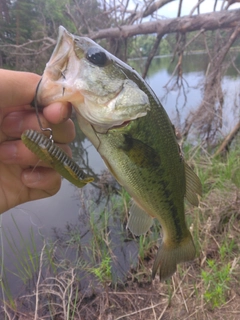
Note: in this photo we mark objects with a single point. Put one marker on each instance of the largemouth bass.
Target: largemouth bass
(125, 121)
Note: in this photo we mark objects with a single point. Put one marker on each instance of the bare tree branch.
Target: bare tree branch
(197, 6)
(150, 9)
(208, 116)
(215, 5)
(42, 40)
(230, 2)
(151, 55)
(180, 8)
(228, 140)
(155, 6)
(185, 47)
(85, 23)
(208, 21)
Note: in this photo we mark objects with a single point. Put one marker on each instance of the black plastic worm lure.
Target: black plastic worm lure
(48, 152)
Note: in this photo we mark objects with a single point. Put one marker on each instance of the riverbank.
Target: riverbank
(63, 287)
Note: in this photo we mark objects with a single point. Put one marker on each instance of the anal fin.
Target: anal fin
(139, 221)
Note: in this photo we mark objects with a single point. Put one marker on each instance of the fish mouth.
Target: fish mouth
(59, 74)
(124, 124)
(104, 96)
(105, 129)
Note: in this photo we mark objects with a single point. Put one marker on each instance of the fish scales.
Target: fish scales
(125, 121)
(142, 178)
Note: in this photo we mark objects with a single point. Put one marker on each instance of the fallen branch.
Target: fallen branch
(228, 140)
(207, 21)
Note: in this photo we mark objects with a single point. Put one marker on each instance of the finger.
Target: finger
(15, 152)
(15, 123)
(57, 112)
(64, 132)
(18, 88)
(42, 182)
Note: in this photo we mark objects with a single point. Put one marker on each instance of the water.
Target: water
(177, 103)
(48, 217)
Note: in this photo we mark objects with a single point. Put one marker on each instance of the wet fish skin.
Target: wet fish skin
(156, 181)
(122, 117)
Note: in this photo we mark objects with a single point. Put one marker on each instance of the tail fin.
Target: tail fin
(169, 255)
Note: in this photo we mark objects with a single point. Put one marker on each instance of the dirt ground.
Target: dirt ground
(206, 288)
(180, 299)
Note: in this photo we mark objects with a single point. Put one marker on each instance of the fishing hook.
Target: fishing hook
(37, 114)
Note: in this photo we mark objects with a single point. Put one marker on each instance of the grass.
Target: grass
(26, 261)
(216, 283)
(206, 288)
(103, 272)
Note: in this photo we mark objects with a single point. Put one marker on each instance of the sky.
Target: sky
(170, 10)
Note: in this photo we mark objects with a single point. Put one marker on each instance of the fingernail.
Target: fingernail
(8, 151)
(66, 111)
(13, 124)
(31, 177)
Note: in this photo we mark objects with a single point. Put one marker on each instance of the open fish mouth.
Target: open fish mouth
(86, 75)
(57, 83)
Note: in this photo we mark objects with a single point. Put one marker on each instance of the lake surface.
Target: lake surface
(48, 217)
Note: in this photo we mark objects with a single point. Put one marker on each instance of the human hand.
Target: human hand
(22, 176)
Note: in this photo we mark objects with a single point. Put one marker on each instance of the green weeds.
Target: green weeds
(26, 260)
(199, 289)
(103, 272)
(217, 275)
(216, 283)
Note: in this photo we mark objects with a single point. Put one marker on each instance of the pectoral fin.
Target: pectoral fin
(193, 186)
(139, 221)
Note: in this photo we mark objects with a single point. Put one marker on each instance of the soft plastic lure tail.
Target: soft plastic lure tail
(48, 152)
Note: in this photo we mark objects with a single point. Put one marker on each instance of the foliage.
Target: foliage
(103, 271)
(199, 289)
(24, 22)
(140, 46)
(216, 282)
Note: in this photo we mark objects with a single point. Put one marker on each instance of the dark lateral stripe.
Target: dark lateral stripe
(174, 212)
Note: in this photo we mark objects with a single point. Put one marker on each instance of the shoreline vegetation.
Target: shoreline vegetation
(186, 53)
(70, 279)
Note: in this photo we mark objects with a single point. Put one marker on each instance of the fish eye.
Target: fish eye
(96, 56)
